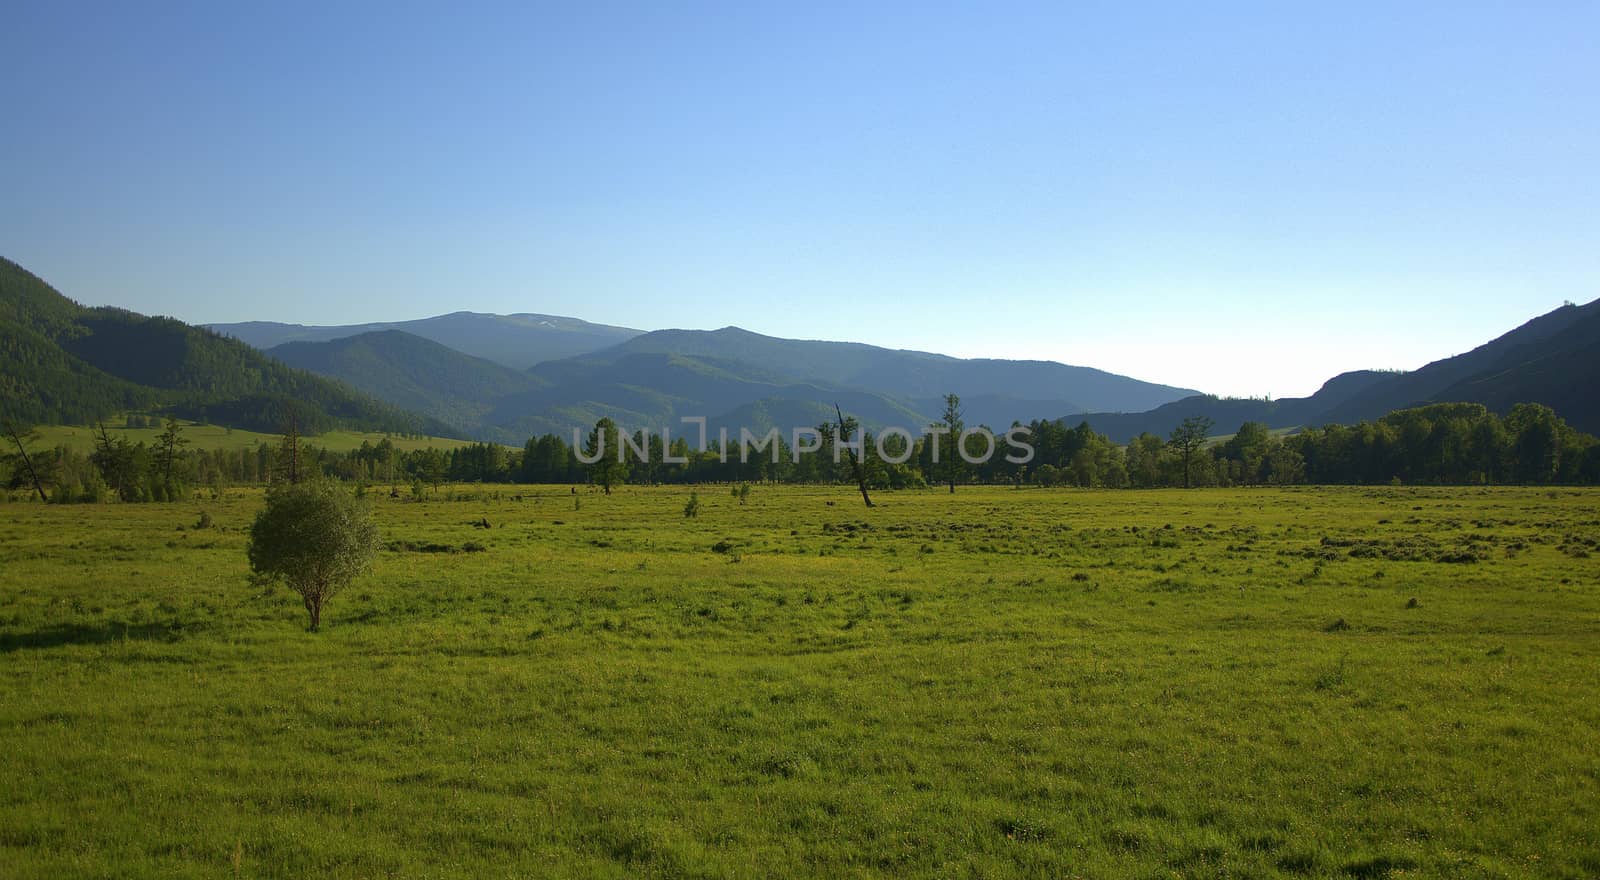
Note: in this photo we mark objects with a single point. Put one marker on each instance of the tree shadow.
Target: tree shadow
(84, 634)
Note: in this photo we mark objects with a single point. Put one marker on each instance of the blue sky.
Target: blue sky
(1246, 199)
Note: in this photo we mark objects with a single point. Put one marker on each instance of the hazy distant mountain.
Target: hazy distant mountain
(732, 377)
(516, 341)
(63, 362)
(1005, 390)
(1553, 359)
(416, 374)
(484, 399)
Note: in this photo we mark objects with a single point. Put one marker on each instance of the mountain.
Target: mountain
(64, 362)
(516, 341)
(1537, 362)
(651, 390)
(1553, 359)
(1227, 413)
(483, 399)
(731, 377)
(1562, 372)
(1006, 389)
(416, 374)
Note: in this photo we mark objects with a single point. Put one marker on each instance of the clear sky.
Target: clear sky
(1244, 199)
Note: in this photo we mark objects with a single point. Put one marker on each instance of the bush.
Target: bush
(691, 508)
(314, 536)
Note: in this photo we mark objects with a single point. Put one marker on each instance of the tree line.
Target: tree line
(1444, 444)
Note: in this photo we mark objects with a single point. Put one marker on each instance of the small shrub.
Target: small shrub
(1331, 678)
(691, 508)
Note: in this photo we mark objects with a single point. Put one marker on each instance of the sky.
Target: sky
(1241, 198)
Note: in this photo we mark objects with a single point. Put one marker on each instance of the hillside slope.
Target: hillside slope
(65, 363)
(1553, 359)
(1227, 413)
(416, 374)
(1538, 362)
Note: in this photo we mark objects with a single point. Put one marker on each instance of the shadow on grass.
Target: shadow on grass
(84, 634)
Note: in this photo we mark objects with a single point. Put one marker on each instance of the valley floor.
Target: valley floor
(1349, 682)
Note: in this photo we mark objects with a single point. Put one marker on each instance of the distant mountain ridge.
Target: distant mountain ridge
(517, 341)
(911, 374)
(725, 376)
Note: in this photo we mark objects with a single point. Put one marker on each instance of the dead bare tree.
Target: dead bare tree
(846, 427)
(20, 438)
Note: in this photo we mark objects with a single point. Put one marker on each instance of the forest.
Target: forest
(1438, 444)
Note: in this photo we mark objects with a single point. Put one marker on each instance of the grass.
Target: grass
(1218, 683)
(210, 437)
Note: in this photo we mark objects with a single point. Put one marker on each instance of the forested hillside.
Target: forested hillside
(417, 374)
(64, 363)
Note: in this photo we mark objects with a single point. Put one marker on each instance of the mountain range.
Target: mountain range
(507, 377)
(732, 377)
(515, 341)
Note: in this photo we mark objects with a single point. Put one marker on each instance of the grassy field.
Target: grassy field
(81, 438)
(1219, 683)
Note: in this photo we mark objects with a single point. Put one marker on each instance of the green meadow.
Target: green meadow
(1302, 682)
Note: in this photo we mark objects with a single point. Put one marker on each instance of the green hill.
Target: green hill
(416, 374)
(62, 362)
(1553, 359)
(656, 389)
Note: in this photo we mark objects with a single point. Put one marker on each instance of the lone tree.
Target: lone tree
(1189, 438)
(169, 447)
(953, 467)
(316, 537)
(603, 452)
